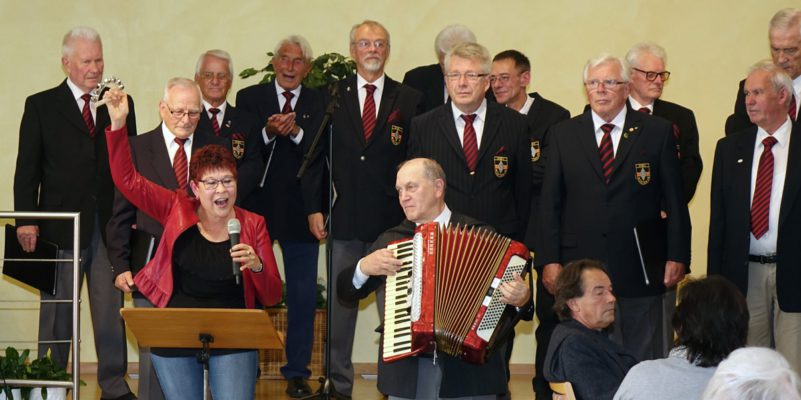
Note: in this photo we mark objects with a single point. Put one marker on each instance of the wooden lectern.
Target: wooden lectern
(204, 329)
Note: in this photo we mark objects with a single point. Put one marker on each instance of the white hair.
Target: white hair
(642, 48)
(300, 41)
(786, 19)
(778, 77)
(470, 51)
(372, 24)
(625, 69)
(449, 37)
(221, 54)
(753, 373)
(182, 82)
(78, 32)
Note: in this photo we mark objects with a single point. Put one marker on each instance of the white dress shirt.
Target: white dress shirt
(478, 123)
(379, 90)
(220, 115)
(618, 122)
(172, 145)
(279, 91)
(76, 94)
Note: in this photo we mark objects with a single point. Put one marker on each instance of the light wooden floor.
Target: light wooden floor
(363, 389)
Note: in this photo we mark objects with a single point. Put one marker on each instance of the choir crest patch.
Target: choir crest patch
(642, 172)
(501, 166)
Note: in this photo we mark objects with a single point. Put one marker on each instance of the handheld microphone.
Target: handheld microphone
(233, 232)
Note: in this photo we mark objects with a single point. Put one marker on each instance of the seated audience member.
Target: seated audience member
(710, 322)
(192, 265)
(580, 350)
(753, 373)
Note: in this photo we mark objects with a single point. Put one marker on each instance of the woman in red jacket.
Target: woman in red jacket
(192, 264)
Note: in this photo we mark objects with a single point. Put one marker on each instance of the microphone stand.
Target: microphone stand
(326, 390)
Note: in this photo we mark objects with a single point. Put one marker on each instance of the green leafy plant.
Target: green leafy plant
(13, 366)
(326, 70)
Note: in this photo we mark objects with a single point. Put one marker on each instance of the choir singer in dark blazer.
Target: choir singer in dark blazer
(755, 221)
(62, 166)
(609, 171)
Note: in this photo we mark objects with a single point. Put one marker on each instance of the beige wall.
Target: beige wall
(710, 44)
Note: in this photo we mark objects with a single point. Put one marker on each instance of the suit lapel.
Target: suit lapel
(632, 129)
(160, 158)
(227, 127)
(448, 127)
(792, 179)
(69, 107)
(350, 99)
(534, 111)
(586, 139)
(491, 127)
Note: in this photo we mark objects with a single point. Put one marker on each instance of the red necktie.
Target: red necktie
(368, 113)
(288, 104)
(469, 143)
(214, 124)
(606, 151)
(760, 205)
(645, 110)
(181, 165)
(792, 110)
(87, 115)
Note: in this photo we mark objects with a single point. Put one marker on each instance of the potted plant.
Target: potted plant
(13, 366)
(47, 370)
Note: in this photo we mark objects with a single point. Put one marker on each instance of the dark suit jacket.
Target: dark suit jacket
(502, 198)
(151, 159)
(59, 168)
(729, 224)
(459, 378)
(429, 80)
(280, 200)
(690, 162)
(582, 217)
(243, 134)
(592, 363)
(364, 172)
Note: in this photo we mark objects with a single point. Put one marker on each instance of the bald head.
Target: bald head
(421, 189)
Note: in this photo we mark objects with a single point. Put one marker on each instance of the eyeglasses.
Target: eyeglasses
(470, 76)
(221, 76)
(179, 114)
(502, 78)
(610, 84)
(365, 44)
(651, 75)
(211, 184)
(789, 52)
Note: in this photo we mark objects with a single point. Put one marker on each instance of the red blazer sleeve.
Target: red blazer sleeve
(265, 285)
(154, 200)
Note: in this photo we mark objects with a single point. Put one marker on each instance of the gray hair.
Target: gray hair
(78, 32)
(181, 82)
(297, 40)
(370, 23)
(778, 77)
(786, 19)
(470, 51)
(431, 169)
(221, 54)
(450, 36)
(642, 48)
(752, 373)
(625, 69)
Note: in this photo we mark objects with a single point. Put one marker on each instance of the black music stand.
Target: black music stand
(203, 328)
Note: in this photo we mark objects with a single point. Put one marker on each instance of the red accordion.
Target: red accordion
(445, 297)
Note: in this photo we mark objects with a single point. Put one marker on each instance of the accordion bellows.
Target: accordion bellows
(445, 298)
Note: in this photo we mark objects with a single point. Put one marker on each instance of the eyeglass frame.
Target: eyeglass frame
(179, 115)
(610, 84)
(651, 75)
(469, 76)
(366, 43)
(208, 75)
(212, 184)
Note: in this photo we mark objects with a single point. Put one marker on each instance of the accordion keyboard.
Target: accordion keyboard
(397, 304)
